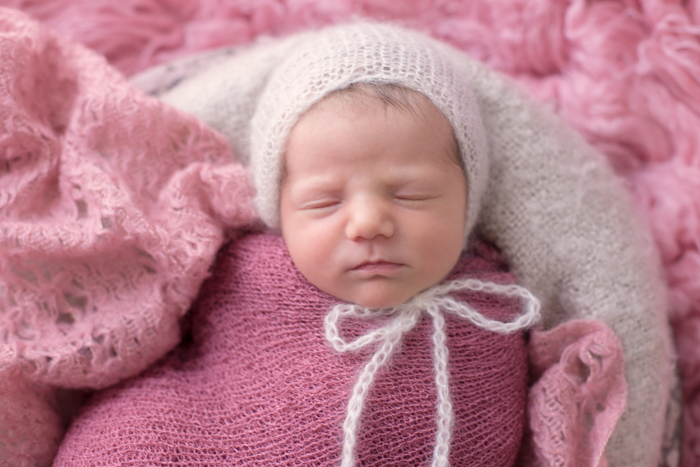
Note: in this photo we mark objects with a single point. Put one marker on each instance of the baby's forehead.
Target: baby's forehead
(354, 100)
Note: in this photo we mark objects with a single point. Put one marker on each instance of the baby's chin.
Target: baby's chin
(378, 295)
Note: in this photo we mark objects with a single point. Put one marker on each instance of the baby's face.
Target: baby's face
(373, 203)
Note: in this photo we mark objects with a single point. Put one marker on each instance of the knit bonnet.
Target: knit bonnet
(337, 57)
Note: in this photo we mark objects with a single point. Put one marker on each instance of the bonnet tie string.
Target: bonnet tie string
(404, 319)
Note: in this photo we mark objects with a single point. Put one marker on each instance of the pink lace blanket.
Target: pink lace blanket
(113, 207)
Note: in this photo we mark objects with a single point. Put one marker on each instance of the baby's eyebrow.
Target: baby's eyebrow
(315, 185)
(410, 175)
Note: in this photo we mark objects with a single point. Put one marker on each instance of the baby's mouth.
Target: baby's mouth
(378, 267)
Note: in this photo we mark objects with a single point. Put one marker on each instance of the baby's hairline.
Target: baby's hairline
(389, 95)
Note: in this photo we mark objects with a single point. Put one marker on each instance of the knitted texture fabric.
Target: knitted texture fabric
(403, 318)
(258, 384)
(112, 208)
(553, 206)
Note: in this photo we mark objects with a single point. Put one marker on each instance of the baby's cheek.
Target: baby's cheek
(313, 251)
(439, 244)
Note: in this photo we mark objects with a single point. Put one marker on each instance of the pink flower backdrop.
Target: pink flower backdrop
(624, 73)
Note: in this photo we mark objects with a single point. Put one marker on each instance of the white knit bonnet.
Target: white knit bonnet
(333, 59)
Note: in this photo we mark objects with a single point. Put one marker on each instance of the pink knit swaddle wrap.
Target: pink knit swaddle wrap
(259, 385)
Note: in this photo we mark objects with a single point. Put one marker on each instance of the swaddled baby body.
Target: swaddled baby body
(258, 384)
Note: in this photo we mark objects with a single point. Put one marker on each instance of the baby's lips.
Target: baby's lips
(378, 267)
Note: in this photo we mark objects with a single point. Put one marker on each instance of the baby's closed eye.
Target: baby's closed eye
(315, 198)
(415, 193)
(415, 196)
(320, 204)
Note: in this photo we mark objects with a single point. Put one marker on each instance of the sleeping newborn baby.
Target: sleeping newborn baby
(373, 204)
(374, 330)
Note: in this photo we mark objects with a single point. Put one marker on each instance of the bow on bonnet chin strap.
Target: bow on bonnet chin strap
(406, 316)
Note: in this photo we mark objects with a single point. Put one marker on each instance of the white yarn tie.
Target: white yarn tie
(405, 318)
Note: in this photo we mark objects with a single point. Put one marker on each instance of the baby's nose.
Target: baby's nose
(368, 219)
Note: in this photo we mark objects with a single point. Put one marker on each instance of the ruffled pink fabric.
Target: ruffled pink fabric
(113, 207)
(578, 396)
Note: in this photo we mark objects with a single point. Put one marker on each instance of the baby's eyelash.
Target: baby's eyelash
(321, 205)
(414, 197)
